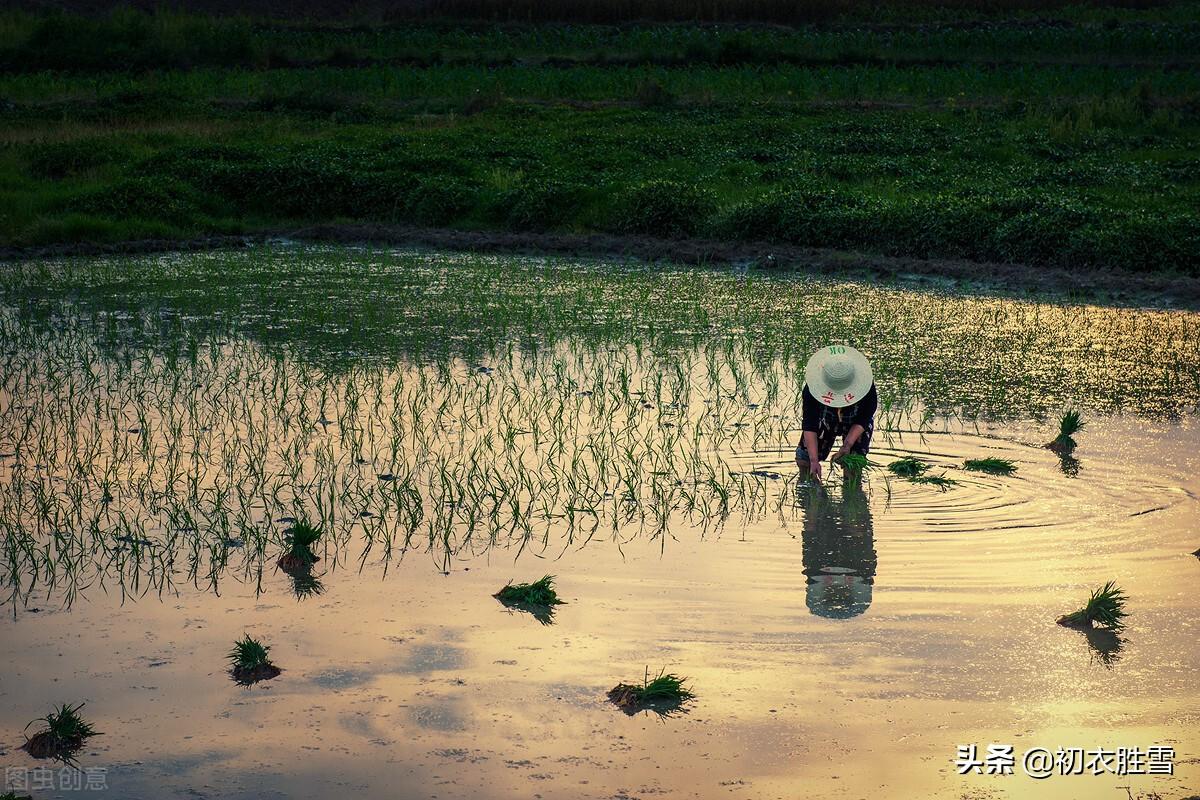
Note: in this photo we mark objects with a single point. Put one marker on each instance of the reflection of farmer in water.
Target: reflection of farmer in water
(839, 551)
(839, 400)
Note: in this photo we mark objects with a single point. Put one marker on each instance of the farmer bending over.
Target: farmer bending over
(839, 400)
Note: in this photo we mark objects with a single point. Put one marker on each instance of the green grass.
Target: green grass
(1105, 609)
(663, 693)
(992, 466)
(64, 732)
(1004, 142)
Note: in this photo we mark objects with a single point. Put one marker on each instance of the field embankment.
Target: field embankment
(1066, 141)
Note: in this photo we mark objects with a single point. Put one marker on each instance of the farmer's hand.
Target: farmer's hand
(814, 469)
(839, 455)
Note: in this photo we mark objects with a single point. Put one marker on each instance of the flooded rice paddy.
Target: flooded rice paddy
(451, 423)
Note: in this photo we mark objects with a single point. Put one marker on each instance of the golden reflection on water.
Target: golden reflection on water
(842, 640)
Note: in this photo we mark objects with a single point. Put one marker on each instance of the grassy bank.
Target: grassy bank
(1067, 141)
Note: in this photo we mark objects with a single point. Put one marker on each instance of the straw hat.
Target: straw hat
(838, 375)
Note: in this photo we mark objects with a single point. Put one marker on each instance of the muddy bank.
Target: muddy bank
(1110, 286)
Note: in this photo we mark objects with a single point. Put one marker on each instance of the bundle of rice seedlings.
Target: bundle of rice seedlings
(249, 662)
(1068, 426)
(65, 733)
(908, 467)
(299, 540)
(856, 462)
(993, 466)
(662, 695)
(537, 598)
(1104, 609)
(940, 481)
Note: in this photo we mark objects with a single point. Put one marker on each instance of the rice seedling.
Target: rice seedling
(992, 466)
(663, 695)
(1068, 426)
(908, 467)
(15, 796)
(249, 662)
(64, 733)
(537, 598)
(1105, 609)
(299, 539)
(940, 481)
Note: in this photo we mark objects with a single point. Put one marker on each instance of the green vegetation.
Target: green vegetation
(537, 598)
(663, 695)
(249, 662)
(908, 467)
(539, 593)
(1104, 609)
(298, 540)
(992, 466)
(1068, 426)
(64, 733)
(15, 796)
(940, 481)
(856, 463)
(1065, 143)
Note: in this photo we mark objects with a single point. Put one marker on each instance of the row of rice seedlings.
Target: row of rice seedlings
(274, 435)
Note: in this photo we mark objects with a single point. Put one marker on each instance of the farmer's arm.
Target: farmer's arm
(864, 412)
(808, 436)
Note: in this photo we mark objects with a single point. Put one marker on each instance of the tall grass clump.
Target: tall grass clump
(64, 733)
(249, 662)
(663, 695)
(1104, 609)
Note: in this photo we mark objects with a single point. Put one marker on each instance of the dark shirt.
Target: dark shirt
(860, 413)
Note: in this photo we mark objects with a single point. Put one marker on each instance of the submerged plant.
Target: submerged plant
(993, 466)
(1068, 426)
(299, 540)
(249, 662)
(65, 732)
(662, 695)
(1104, 609)
(537, 598)
(908, 467)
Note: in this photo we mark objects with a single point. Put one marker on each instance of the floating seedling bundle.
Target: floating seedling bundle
(1105, 609)
(249, 662)
(663, 695)
(64, 734)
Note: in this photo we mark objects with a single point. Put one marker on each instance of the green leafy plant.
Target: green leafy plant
(64, 733)
(993, 466)
(299, 540)
(663, 695)
(1104, 609)
(249, 661)
(1068, 426)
